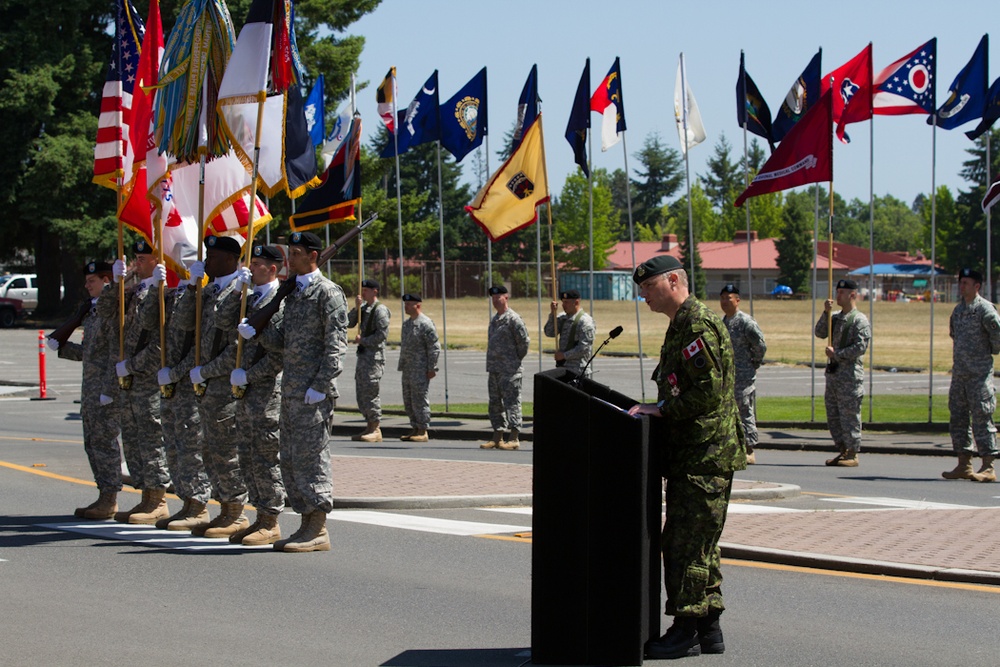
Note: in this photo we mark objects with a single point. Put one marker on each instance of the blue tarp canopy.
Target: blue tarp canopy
(897, 270)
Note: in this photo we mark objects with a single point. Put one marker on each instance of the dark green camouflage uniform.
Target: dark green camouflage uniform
(701, 447)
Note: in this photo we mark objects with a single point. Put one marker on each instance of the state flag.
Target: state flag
(464, 120)
(803, 94)
(752, 111)
(607, 100)
(852, 96)
(579, 121)
(968, 92)
(907, 85)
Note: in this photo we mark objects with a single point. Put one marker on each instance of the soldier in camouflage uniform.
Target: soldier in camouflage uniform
(749, 349)
(418, 357)
(506, 346)
(845, 372)
(371, 316)
(220, 313)
(702, 446)
(313, 338)
(259, 411)
(98, 352)
(142, 437)
(975, 331)
(576, 332)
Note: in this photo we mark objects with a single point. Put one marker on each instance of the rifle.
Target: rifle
(67, 328)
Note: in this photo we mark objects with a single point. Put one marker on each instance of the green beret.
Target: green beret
(654, 267)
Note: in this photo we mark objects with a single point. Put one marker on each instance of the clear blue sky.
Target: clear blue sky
(779, 38)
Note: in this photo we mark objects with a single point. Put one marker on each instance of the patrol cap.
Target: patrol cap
(498, 289)
(307, 240)
(96, 267)
(730, 288)
(140, 247)
(971, 273)
(846, 284)
(412, 297)
(569, 294)
(224, 244)
(655, 266)
(369, 283)
(268, 252)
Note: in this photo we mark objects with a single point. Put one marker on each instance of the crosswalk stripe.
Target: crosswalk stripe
(109, 530)
(425, 524)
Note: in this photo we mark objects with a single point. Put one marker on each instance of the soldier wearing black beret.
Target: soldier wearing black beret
(575, 330)
(371, 316)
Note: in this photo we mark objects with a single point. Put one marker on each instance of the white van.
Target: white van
(22, 286)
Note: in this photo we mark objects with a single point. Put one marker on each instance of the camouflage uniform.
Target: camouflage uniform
(749, 349)
(371, 357)
(506, 346)
(975, 330)
(576, 338)
(220, 313)
(701, 446)
(99, 352)
(845, 387)
(418, 355)
(139, 407)
(179, 415)
(313, 338)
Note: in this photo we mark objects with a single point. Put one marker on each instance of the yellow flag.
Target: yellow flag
(507, 202)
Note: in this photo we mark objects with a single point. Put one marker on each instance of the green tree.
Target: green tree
(677, 223)
(659, 177)
(571, 233)
(795, 249)
(725, 178)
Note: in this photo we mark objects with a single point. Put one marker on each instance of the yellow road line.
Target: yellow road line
(825, 495)
(44, 473)
(506, 538)
(10, 437)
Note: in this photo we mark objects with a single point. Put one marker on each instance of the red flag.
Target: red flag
(992, 196)
(852, 84)
(805, 155)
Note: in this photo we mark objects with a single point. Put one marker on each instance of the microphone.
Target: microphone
(614, 333)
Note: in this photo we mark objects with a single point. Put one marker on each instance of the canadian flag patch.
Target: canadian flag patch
(694, 348)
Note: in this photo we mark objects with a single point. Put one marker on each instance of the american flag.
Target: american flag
(116, 99)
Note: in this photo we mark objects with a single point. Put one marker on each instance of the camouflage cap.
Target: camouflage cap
(654, 267)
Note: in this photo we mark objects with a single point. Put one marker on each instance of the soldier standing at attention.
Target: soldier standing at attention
(506, 346)
(312, 336)
(701, 448)
(259, 411)
(372, 334)
(845, 372)
(576, 332)
(749, 349)
(98, 352)
(418, 357)
(142, 436)
(974, 328)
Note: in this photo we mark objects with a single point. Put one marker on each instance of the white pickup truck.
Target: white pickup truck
(22, 286)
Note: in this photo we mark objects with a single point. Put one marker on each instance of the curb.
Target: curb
(433, 502)
(772, 491)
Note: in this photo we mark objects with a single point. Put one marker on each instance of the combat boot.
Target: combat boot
(199, 530)
(237, 537)
(314, 536)
(495, 442)
(142, 506)
(179, 514)
(710, 633)
(104, 508)
(155, 510)
(849, 459)
(372, 434)
(419, 435)
(267, 532)
(986, 472)
(80, 511)
(413, 432)
(279, 545)
(196, 517)
(963, 470)
(751, 457)
(836, 459)
(233, 520)
(512, 442)
(680, 641)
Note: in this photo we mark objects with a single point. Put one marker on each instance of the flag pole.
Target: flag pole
(489, 241)
(989, 229)
(124, 383)
(399, 195)
(687, 171)
(166, 390)
(871, 266)
(815, 284)
(746, 175)
(829, 267)
(930, 375)
(444, 286)
(631, 241)
(199, 389)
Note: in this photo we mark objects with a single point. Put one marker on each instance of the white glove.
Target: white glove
(196, 377)
(183, 282)
(163, 376)
(197, 272)
(244, 276)
(53, 344)
(159, 273)
(313, 396)
(118, 269)
(238, 378)
(106, 400)
(245, 329)
(121, 370)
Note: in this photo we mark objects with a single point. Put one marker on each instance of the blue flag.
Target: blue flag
(803, 94)
(990, 113)
(464, 118)
(527, 106)
(315, 112)
(579, 121)
(420, 122)
(967, 94)
(751, 109)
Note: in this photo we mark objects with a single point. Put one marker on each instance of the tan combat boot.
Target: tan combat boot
(419, 435)
(279, 545)
(849, 459)
(512, 442)
(233, 520)
(199, 530)
(751, 457)
(314, 536)
(495, 442)
(413, 432)
(80, 511)
(104, 508)
(372, 434)
(196, 516)
(267, 532)
(963, 470)
(986, 472)
(179, 514)
(836, 459)
(237, 537)
(155, 510)
(142, 506)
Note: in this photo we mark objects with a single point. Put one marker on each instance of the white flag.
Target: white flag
(690, 129)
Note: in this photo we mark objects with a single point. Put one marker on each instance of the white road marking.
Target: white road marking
(110, 530)
(744, 508)
(424, 524)
(507, 510)
(900, 503)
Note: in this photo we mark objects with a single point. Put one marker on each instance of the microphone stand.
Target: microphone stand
(613, 334)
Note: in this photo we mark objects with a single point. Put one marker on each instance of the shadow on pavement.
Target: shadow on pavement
(21, 531)
(485, 657)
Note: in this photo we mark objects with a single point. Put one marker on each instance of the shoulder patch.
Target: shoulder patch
(693, 349)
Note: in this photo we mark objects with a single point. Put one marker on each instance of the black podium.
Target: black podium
(595, 559)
